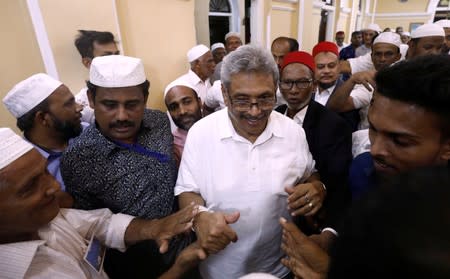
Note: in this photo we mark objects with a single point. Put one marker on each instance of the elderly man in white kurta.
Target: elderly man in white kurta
(247, 164)
(38, 240)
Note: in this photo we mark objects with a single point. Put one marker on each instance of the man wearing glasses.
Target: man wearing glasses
(328, 135)
(247, 165)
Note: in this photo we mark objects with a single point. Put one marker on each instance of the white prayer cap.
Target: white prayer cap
(445, 23)
(406, 33)
(116, 71)
(11, 147)
(178, 82)
(374, 27)
(29, 93)
(258, 276)
(197, 51)
(216, 46)
(232, 34)
(388, 38)
(428, 30)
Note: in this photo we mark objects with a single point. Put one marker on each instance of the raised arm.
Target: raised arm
(341, 101)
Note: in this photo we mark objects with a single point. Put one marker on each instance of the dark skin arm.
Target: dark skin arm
(160, 230)
(301, 196)
(305, 258)
(188, 259)
(341, 101)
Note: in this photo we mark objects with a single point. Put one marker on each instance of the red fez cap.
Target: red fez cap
(325, 47)
(299, 57)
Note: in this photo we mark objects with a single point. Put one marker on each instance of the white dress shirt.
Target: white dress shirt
(87, 114)
(59, 252)
(214, 97)
(361, 99)
(361, 63)
(299, 117)
(322, 97)
(201, 86)
(233, 174)
(360, 142)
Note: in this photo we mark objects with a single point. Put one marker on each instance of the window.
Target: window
(219, 20)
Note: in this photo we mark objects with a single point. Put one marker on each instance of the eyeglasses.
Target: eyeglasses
(263, 103)
(301, 84)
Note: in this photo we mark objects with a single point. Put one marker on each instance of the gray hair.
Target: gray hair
(248, 59)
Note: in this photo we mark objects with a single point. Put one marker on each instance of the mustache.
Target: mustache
(122, 124)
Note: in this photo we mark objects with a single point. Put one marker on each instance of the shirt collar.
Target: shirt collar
(299, 117)
(329, 90)
(194, 77)
(17, 257)
(228, 131)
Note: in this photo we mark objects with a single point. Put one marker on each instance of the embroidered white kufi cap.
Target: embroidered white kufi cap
(445, 23)
(216, 46)
(12, 147)
(178, 82)
(388, 38)
(197, 51)
(29, 93)
(114, 71)
(428, 30)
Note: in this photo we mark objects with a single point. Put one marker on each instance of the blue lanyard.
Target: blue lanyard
(142, 150)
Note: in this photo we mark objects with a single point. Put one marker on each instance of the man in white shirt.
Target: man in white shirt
(368, 34)
(425, 39)
(232, 42)
(91, 44)
(356, 92)
(250, 165)
(38, 240)
(202, 66)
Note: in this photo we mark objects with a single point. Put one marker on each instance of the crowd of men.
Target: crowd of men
(266, 162)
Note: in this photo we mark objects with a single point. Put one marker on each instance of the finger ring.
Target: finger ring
(310, 205)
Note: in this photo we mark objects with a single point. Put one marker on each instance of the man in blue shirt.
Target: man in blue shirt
(349, 51)
(409, 122)
(49, 117)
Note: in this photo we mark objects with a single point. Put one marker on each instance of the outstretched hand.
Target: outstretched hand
(186, 260)
(173, 225)
(305, 258)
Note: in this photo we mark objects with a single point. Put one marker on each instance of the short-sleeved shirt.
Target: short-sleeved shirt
(362, 63)
(201, 86)
(214, 97)
(362, 50)
(361, 100)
